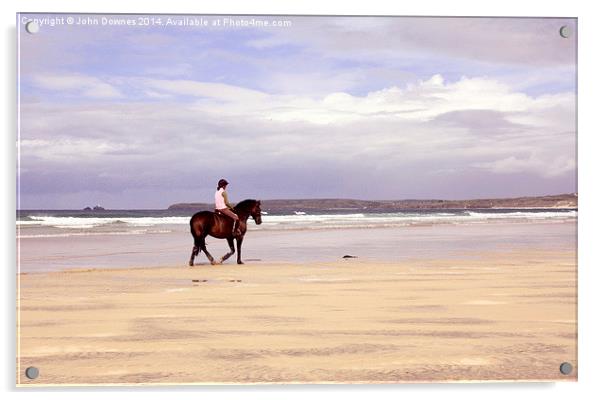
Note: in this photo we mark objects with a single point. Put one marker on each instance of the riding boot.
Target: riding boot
(235, 230)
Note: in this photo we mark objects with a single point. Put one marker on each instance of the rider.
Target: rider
(222, 205)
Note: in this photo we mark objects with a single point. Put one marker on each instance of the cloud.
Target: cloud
(429, 131)
(77, 84)
(526, 41)
(526, 53)
(546, 166)
(71, 147)
(180, 69)
(321, 54)
(215, 91)
(479, 103)
(480, 122)
(434, 107)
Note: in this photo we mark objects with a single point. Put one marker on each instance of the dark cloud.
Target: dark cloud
(480, 122)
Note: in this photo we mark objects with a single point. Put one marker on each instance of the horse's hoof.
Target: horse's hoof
(240, 262)
(190, 263)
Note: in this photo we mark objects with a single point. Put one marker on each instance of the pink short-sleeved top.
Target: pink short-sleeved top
(220, 203)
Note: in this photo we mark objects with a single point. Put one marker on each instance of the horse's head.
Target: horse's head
(249, 208)
(256, 212)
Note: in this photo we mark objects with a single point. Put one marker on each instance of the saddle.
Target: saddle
(221, 214)
(234, 226)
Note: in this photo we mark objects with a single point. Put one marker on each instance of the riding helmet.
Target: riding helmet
(222, 183)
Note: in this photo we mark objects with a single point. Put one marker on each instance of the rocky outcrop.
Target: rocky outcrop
(96, 208)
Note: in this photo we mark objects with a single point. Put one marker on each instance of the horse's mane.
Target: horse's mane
(245, 204)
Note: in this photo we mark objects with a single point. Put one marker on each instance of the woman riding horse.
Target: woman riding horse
(223, 205)
(219, 226)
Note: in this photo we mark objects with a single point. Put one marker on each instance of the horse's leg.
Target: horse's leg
(195, 252)
(227, 255)
(238, 245)
(203, 247)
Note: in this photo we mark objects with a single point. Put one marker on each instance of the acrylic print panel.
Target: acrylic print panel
(405, 188)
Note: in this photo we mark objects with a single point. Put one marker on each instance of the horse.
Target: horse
(219, 226)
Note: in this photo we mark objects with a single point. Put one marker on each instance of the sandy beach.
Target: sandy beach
(498, 314)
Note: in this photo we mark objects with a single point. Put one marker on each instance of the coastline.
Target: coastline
(565, 200)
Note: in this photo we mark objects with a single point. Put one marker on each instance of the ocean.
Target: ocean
(65, 223)
(50, 240)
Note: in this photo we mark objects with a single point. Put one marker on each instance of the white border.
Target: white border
(589, 190)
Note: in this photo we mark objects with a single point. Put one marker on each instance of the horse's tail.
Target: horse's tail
(196, 229)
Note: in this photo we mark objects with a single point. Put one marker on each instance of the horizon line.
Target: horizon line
(314, 199)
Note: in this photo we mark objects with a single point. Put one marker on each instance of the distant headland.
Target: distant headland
(289, 205)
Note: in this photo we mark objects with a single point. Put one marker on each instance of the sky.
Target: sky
(147, 115)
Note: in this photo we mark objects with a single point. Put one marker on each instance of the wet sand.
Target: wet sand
(43, 254)
(491, 315)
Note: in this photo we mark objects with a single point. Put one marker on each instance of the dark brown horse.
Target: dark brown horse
(220, 226)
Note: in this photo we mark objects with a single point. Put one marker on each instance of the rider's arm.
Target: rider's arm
(225, 195)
